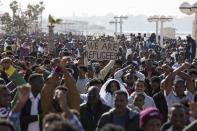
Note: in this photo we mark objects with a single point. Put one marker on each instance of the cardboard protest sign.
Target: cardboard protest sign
(102, 50)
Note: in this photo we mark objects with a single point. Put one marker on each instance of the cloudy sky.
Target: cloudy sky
(62, 8)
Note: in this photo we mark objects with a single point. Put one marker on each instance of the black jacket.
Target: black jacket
(132, 120)
(161, 104)
(26, 118)
(90, 117)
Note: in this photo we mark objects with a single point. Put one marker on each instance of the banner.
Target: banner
(102, 50)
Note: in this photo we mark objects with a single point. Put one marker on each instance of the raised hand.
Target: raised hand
(186, 65)
(62, 99)
(23, 93)
(193, 109)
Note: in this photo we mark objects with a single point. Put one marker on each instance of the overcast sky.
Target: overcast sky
(61, 8)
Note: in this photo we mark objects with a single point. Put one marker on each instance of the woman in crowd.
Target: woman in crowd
(108, 89)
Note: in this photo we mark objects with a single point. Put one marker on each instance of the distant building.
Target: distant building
(169, 32)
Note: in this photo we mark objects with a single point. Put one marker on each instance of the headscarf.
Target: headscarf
(106, 96)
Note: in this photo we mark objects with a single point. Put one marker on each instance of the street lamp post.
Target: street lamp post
(120, 22)
(156, 20)
(115, 22)
(162, 19)
(187, 9)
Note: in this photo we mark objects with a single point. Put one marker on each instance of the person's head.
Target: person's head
(49, 119)
(130, 57)
(148, 64)
(129, 78)
(6, 62)
(37, 82)
(139, 100)
(140, 86)
(177, 116)
(6, 125)
(155, 82)
(150, 119)
(94, 82)
(90, 71)
(120, 101)
(55, 62)
(96, 67)
(179, 87)
(57, 97)
(5, 97)
(61, 126)
(47, 64)
(111, 127)
(82, 71)
(93, 95)
(166, 68)
(180, 58)
(67, 60)
(112, 86)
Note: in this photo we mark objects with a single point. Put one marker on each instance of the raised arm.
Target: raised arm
(47, 94)
(103, 73)
(73, 94)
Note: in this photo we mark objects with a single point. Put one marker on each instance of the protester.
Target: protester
(6, 125)
(176, 119)
(150, 75)
(120, 115)
(150, 119)
(140, 89)
(91, 111)
(108, 89)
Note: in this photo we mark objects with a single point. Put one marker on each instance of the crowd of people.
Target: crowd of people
(149, 87)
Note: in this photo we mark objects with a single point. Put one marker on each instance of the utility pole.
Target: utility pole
(115, 22)
(120, 22)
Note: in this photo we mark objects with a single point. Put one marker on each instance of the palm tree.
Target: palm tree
(52, 21)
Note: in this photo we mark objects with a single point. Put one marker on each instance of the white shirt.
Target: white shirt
(34, 126)
(81, 84)
(172, 98)
(148, 101)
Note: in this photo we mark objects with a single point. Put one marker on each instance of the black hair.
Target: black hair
(112, 127)
(39, 61)
(61, 126)
(32, 77)
(62, 88)
(118, 62)
(155, 79)
(120, 92)
(47, 61)
(94, 82)
(83, 68)
(108, 88)
(178, 79)
(140, 94)
(141, 81)
(52, 117)
(4, 122)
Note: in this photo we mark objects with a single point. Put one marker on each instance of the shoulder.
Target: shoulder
(83, 106)
(107, 114)
(133, 114)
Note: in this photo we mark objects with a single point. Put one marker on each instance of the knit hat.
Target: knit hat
(148, 114)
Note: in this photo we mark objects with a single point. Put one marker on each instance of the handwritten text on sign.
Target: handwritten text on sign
(102, 50)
